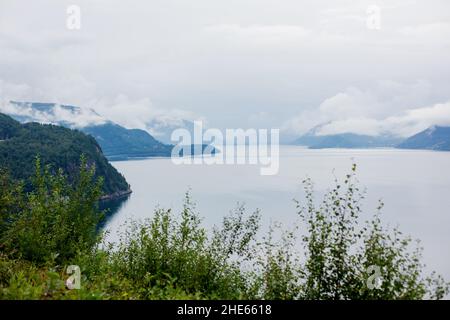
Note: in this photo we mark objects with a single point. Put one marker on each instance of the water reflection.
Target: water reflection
(110, 208)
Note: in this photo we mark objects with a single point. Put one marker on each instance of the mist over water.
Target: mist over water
(414, 186)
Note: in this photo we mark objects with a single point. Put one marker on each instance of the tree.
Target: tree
(56, 219)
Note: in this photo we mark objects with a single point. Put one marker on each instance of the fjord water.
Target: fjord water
(414, 186)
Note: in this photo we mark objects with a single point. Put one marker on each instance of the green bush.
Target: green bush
(173, 257)
(55, 220)
(342, 253)
(175, 252)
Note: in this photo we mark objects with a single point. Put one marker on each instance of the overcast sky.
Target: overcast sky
(286, 64)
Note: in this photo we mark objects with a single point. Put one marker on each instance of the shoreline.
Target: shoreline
(116, 195)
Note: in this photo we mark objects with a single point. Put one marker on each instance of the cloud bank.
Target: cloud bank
(249, 63)
(387, 108)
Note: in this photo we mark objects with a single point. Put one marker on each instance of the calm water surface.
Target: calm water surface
(414, 185)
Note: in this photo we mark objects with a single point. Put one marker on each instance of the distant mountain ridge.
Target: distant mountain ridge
(120, 143)
(117, 142)
(345, 140)
(433, 138)
(42, 112)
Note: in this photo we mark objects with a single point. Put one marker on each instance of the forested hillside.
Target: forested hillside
(56, 146)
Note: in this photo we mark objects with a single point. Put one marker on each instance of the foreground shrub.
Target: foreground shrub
(327, 253)
(55, 220)
(169, 251)
(347, 259)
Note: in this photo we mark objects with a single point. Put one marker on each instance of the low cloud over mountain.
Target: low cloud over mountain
(390, 108)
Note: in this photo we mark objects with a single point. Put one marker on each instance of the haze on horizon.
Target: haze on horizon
(236, 63)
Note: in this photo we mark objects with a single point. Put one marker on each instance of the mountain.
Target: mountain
(8, 127)
(433, 138)
(346, 140)
(58, 146)
(120, 143)
(116, 141)
(64, 115)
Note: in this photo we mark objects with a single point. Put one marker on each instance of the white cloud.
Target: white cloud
(10, 90)
(415, 120)
(228, 60)
(140, 114)
(404, 124)
(387, 108)
(367, 126)
(353, 102)
(436, 32)
(80, 117)
(262, 35)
